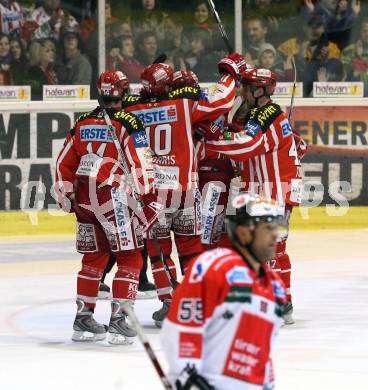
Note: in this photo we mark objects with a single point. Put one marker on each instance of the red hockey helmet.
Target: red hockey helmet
(155, 78)
(260, 78)
(112, 84)
(184, 78)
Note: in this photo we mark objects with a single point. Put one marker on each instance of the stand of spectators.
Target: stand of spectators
(42, 67)
(355, 57)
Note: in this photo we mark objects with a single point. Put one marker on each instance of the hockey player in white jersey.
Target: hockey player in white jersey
(221, 326)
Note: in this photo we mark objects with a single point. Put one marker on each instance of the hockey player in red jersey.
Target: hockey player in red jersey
(271, 164)
(215, 172)
(90, 179)
(169, 117)
(221, 326)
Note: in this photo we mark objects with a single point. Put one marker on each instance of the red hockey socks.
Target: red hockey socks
(283, 266)
(93, 265)
(126, 279)
(162, 282)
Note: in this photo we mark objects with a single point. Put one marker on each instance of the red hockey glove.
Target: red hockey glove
(233, 64)
(148, 215)
(66, 202)
(210, 131)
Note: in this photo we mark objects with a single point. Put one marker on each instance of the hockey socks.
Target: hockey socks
(160, 277)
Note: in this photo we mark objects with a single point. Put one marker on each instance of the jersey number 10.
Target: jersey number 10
(162, 137)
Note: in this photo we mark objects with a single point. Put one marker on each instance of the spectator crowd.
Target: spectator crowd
(56, 41)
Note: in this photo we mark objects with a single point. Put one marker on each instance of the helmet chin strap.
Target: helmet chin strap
(259, 97)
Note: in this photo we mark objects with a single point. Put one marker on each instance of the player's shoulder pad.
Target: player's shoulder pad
(264, 116)
(83, 116)
(129, 120)
(131, 100)
(202, 264)
(193, 93)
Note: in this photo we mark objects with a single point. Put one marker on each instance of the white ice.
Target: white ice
(327, 348)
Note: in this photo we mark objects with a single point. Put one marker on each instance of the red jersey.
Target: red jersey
(89, 151)
(169, 125)
(223, 319)
(268, 152)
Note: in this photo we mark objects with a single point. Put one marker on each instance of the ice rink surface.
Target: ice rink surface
(326, 349)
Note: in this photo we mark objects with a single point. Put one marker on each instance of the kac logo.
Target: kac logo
(140, 139)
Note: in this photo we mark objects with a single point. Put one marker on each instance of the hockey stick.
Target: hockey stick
(221, 27)
(293, 92)
(147, 346)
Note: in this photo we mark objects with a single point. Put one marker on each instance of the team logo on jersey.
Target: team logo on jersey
(253, 128)
(140, 139)
(238, 275)
(155, 116)
(95, 133)
(286, 128)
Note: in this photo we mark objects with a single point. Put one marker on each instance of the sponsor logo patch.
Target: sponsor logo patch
(286, 128)
(95, 133)
(190, 345)
(253, 128)
(140, 139)
(155, 116)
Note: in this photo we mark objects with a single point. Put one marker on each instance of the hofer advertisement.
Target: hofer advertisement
(335, 170)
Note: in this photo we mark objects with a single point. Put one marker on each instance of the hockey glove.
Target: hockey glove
(210, 131)
(150, 212)
(301, 145)
(194, 381)
(232, 64)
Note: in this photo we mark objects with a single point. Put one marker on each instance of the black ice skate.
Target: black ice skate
(121, 333)
(104, 291)
(159, 315)
(86, 328)
(146, 290)
(288, 314)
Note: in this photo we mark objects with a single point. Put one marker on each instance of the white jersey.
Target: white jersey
(224, 319)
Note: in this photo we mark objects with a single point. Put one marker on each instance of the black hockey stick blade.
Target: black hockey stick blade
(160, 59)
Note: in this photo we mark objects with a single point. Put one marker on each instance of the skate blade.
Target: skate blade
(288, 319)
(102, 295)
(119, 339)
(146, 294)
(83, 336)
(158, 324)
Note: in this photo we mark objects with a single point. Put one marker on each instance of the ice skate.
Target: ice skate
(159, 315)
(104, 291)
(288, 314)
(86, 328)
(146, 290)
(121, 333)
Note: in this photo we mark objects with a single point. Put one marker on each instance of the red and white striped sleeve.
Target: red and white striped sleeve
(66, 165)
(241, 147)
(218, 102)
